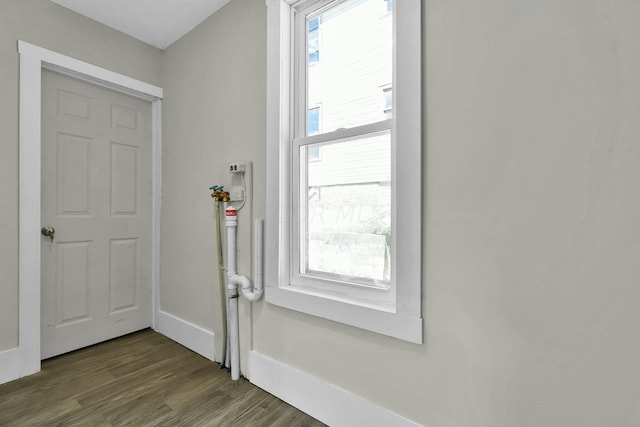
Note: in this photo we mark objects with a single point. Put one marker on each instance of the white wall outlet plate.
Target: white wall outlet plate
(237, 167)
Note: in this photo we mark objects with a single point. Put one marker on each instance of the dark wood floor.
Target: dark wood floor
(142, 379)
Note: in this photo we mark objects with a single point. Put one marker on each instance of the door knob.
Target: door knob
(48, 231)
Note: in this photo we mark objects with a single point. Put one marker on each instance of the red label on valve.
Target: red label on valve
(231, 212)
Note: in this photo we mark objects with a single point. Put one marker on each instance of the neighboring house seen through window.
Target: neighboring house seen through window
(387, 94)
(313, 128)
(314, 41)
(388, 5)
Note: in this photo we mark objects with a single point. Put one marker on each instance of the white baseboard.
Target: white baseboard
(194, 337)
(10, 365)
(326, 402)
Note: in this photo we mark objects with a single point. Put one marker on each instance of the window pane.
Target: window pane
(347, 221)
(313, 153)
(388, 103)
(356, 62)
(313, 121)
(388, 5)
(314, 41)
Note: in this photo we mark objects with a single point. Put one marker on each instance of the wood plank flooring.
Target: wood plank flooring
(141, 379)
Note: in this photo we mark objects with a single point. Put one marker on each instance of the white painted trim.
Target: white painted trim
(156, 190)
(9, 365)
(90, 72)
(397, 325)
(32, 60)
(407, 167)
(326, 402)
(29, 219)
(194, 337)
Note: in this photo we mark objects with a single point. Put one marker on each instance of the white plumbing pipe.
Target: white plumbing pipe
(256, 293)
(234, 336)
(231, 221)
(234, 280)
(227, 337)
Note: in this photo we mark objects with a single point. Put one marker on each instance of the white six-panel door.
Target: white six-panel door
(96, 194)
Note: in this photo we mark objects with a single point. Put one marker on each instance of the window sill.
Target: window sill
(379, 319)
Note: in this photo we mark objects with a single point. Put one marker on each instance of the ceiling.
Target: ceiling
(156, 22)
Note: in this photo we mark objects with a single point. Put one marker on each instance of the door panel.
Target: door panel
(123, 278)
(96, 193)
(73, 175)
(72, 265)
(124, 171)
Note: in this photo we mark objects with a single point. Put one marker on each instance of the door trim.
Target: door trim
(32, 60)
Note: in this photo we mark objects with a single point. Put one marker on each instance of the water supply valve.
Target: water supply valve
(218, 193)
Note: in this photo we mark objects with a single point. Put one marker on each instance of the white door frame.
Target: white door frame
(32, 60)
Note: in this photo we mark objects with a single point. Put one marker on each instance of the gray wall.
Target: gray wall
(531, 201)
(213, 114)
(46, 24)
(531, 231)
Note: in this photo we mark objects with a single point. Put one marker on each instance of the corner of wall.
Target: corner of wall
(9, 365)
(194, 337)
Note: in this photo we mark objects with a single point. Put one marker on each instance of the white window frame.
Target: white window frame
(401, 319)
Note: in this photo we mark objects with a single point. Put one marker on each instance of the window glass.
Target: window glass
(313, 127)
(356, 61)
(345, 197)
(314, 41)
(388, 103)
(348, 211)
(313, 121)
